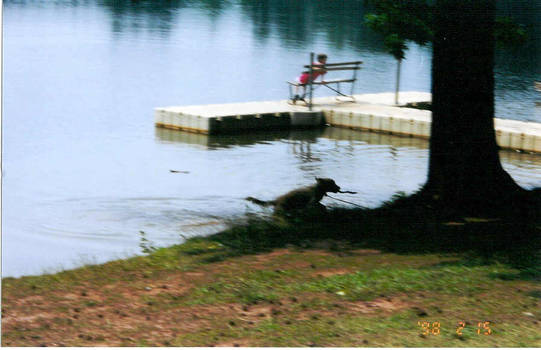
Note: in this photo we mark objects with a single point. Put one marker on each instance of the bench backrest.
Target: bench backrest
(337, 66)
(353, 66)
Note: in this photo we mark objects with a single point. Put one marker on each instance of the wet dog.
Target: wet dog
(301, 199)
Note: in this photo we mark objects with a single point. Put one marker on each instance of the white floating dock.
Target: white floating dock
(372, 112)
(232, 117)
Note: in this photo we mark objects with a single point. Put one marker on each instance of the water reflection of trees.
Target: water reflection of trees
(299, 23)
(296, 23)
(157, 17)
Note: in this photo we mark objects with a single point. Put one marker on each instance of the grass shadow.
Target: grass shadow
(524, 274)
(535, 294)
(404, 225)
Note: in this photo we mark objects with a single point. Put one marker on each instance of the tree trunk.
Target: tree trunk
(464, 166)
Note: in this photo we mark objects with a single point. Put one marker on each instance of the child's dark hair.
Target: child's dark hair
(321, 56)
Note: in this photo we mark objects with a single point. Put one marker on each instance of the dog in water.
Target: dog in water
(301, 199)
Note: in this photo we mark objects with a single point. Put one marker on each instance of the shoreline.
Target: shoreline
(271, 283)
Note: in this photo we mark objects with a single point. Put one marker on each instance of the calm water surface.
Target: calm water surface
(84, 169)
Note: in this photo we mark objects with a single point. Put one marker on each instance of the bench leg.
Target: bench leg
(298, 97)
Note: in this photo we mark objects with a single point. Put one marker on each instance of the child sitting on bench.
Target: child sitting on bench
(304, 78)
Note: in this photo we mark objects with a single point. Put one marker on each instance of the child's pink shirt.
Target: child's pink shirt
(303, 79)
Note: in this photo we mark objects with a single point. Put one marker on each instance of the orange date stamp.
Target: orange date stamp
(434, 328)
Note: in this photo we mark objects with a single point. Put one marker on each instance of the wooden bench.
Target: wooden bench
(333, 84)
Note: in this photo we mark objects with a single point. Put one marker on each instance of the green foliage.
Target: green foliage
(412, 20)
(508, 33)
(400, 21)
(396, 46)
(146, 246)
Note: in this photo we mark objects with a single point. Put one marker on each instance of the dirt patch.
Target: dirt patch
(149, 310)
(117, 314)
(272, 260)
(274, 253)
(331, 272)
(28, 320)
(257, 313)
(250, 314)
(36, 299)
(268, 260)
(281, 252)
(383, 304)
(113, 325)
(192, 274)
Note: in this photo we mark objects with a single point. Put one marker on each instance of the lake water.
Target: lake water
(85, 170)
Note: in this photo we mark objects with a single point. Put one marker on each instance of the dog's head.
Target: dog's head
(327, 185)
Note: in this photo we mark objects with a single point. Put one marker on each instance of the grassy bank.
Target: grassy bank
(389, 280)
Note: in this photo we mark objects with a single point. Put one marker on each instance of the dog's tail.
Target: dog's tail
(259, 202)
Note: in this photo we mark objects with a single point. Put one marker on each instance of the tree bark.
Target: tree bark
(464, 166)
